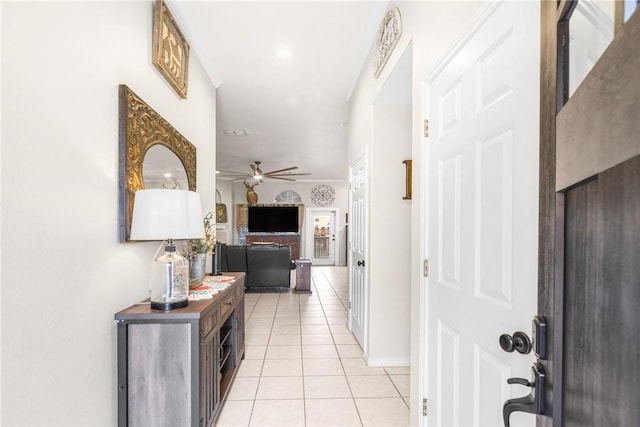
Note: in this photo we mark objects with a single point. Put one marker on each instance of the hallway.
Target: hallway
(303, 367)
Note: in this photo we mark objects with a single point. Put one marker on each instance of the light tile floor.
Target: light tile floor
(303, 367)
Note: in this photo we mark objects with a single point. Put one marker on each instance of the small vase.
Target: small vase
(197, 264)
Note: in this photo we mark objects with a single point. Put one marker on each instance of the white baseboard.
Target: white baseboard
(387, 362)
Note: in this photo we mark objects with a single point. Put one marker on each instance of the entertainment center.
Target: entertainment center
(272, 223)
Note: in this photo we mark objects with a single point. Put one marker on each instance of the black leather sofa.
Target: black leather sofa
(267, 266)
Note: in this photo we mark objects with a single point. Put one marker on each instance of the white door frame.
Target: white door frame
(309, 243)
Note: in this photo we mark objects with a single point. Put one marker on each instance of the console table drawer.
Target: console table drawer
(209, 321)
(226, 306)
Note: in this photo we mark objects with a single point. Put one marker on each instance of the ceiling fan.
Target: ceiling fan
(257, 175)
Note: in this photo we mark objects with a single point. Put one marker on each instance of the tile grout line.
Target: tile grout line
(287, 301)
(255, 396)
(304, 399)
(353, 399)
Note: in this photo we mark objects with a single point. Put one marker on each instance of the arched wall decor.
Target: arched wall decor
(288, 196)
(141, 128)
(388, 36)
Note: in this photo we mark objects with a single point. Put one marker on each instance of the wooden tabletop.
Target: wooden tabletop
(194, 310)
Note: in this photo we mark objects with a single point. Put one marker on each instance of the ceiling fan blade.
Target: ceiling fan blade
(281, 170)
(232, 172)
(279, 177)
(231, 178)
(287, 174)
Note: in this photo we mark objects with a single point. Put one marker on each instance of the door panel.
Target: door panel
(358, 315)
(482, 205)
(601, 300)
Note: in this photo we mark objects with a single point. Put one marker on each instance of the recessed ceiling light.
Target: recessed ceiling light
(284, 54)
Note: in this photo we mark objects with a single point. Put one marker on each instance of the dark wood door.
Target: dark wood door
(601, 349)
(589, 283)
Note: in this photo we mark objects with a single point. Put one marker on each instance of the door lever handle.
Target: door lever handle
(533, 403)
(521, 381)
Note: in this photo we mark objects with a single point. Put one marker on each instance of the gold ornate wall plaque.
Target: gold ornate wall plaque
(388, 36)
(140, 129)
(170, 49)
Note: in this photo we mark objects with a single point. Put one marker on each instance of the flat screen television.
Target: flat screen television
(272, 219)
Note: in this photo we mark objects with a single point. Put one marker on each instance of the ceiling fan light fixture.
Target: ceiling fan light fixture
(257, 172)
(257, 176)
(251, 181)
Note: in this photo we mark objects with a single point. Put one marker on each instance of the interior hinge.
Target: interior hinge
(425, 407)
(426, 128)
(425, 268)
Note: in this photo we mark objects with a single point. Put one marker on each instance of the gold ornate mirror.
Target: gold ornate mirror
(152, 155)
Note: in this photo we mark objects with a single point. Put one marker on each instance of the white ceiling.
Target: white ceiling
(293, 110)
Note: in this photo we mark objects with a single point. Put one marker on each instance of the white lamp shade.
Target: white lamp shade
(167, 214)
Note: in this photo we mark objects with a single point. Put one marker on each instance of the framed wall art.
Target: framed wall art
(170, 49)
(323, 195)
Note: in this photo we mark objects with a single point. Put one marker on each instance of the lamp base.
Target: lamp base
(166, 304)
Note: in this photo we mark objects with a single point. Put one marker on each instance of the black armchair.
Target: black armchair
(267, 266)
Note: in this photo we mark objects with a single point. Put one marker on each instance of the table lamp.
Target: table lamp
(166, 215)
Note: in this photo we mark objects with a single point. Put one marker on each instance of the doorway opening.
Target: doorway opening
(321, 235)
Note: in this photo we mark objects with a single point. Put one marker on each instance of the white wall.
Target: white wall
(1, 314)
(389, 238)
(64, 274)
(267, 192)
(431, 28)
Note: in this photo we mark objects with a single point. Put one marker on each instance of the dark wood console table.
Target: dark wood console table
(175, 368)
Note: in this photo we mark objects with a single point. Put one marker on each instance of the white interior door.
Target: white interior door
(358, 297)
(482, 216)
(321, 236)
